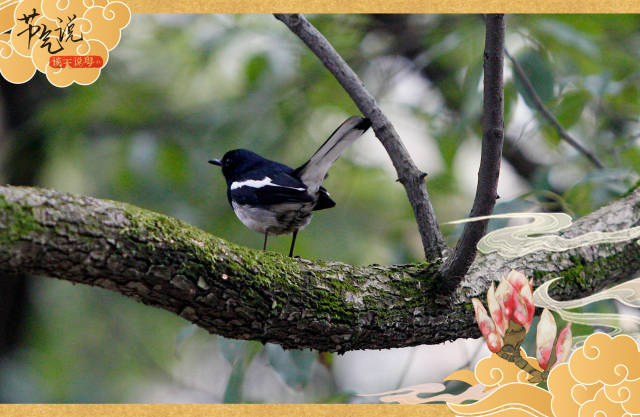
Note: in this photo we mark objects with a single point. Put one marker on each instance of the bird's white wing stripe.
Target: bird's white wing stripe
(251, 183)
(259, 184)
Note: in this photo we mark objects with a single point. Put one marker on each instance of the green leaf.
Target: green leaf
(231, 349)
(579, 198)
(172, 163)
(184, 334)
(256, 67)
(570, 108)
(631, 157)
(294, 366)
(339, 398)
(240, 354)
(539, 71)
(569, 37)
(472, 96)
(510, 100)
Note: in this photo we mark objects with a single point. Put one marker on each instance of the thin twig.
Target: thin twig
(549, 116)
(408, 174)
(457, 265)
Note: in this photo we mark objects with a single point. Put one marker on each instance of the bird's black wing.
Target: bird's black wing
(261, 189)
(324, 200)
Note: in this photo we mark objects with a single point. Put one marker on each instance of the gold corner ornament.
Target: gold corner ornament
(601, 378)
(68, 41)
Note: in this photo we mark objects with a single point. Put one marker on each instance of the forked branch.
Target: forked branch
(457, 265)
(408, 174)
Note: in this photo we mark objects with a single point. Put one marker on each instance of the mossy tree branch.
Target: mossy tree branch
(247, 294)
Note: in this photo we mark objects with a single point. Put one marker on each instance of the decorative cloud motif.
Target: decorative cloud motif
(7, 8)
(107, 22)
(607, 360)
(493, 371)
(64, 39)
(516, 241)
(601, 378)
(13, 66)
(510, 400)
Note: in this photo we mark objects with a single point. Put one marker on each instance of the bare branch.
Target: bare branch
(549, 116)
(408, 174)
(460, 260)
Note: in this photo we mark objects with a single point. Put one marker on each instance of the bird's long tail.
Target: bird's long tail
(313, 172)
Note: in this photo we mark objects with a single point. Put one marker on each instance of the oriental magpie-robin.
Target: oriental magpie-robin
(271, 198)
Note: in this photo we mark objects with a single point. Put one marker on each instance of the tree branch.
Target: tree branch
(297, 303)
(408, 174)
(549, 116)
(460, 260)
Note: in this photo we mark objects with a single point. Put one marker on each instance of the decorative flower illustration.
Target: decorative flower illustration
(511, 308)
(511, 312)
(601, 378)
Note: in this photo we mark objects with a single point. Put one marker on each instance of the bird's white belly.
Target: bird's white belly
(290, 217)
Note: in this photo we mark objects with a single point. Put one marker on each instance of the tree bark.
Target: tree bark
(457, 265)
(247, 294)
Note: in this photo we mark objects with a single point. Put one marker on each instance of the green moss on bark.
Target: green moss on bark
(249, 294)
(16, 221)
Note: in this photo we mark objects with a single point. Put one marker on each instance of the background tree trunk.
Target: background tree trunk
(22, 153)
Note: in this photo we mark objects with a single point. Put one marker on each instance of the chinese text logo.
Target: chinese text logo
(68, 40)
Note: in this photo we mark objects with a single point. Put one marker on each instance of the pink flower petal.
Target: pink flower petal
(487, 327)
(497, 315)
(504, 296)
(563, 345)
(545, 336)
(517, 279)
(527, 298)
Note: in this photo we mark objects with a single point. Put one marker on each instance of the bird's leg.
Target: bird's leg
(293, 243)
(264, 246)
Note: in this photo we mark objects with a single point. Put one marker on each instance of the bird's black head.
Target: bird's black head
(237, 161)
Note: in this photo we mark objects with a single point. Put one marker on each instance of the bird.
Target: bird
(274, 199)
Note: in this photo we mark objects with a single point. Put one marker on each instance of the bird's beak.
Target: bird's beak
(215, 162)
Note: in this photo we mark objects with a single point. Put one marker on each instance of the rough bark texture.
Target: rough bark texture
(297, 303)
(457, 265)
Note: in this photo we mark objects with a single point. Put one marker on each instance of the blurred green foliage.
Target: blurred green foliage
(181, 89)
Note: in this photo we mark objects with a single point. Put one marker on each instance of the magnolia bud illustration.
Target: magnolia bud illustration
(563, 345)
(517, 279)
(516, 299)
(487, 327)
(497, 315)
(523, 314)
(545, 337)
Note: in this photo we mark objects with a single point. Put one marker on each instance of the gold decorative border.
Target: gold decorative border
(310, 6)
(388, 6)
(226, 410)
